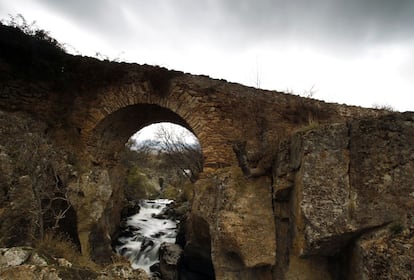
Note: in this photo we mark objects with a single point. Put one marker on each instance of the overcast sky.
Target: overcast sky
(357, 52)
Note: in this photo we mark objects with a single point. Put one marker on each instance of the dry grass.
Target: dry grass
(60, 246)
(310, 126)
(118, 259)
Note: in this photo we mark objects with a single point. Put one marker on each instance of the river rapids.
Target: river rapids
(143, 234)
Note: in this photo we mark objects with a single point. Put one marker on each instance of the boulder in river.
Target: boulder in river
(170, 256)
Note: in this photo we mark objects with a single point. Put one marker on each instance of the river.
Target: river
(143, 234)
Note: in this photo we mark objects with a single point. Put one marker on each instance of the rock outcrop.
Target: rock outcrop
(342, 188)
(42, 179)
(241, 224)
(170, 257)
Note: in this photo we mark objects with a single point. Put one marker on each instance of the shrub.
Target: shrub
(385, 107)
(18, 21)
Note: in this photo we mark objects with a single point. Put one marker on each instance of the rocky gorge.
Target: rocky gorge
(292, 188)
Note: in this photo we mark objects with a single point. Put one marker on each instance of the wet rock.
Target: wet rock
(155, 271)
(196, 262)
(168, 213)
(174, 211)
(131, 209)
(158, 234)
(146, 243)
(170, 256)
(155, 268)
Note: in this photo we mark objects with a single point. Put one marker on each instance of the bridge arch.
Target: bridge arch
(110, 135)
(108, 117)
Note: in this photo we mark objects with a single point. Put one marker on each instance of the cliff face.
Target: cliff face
(292, 188)
(344, 193)
(241, 223)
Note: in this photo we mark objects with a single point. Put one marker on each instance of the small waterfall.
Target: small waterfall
(143, 234)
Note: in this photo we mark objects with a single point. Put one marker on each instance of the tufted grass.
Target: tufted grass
(55, 246)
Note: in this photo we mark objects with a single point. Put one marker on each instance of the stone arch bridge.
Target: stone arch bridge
(250, 227)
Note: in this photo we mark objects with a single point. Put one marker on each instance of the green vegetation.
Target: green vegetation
(187, 192)
(139, 185)
(171, 192)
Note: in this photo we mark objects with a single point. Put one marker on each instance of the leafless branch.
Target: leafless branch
(184, 156)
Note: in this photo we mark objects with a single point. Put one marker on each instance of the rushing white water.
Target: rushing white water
(144, 234)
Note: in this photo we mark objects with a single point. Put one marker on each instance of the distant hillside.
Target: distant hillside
(158, 145)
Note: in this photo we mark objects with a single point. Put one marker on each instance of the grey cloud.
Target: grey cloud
(343, 23)
(340, 21)
(98, 16)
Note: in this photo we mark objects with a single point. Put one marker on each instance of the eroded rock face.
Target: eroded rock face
(97, 199)
(196, 261)
(385, 254)
(90, 196)
(170, 257)
(381, 169)
(241, 223)
(322, 188)
(337, 182)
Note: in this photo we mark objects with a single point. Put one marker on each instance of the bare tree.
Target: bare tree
(179, 153)
(37, 158)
